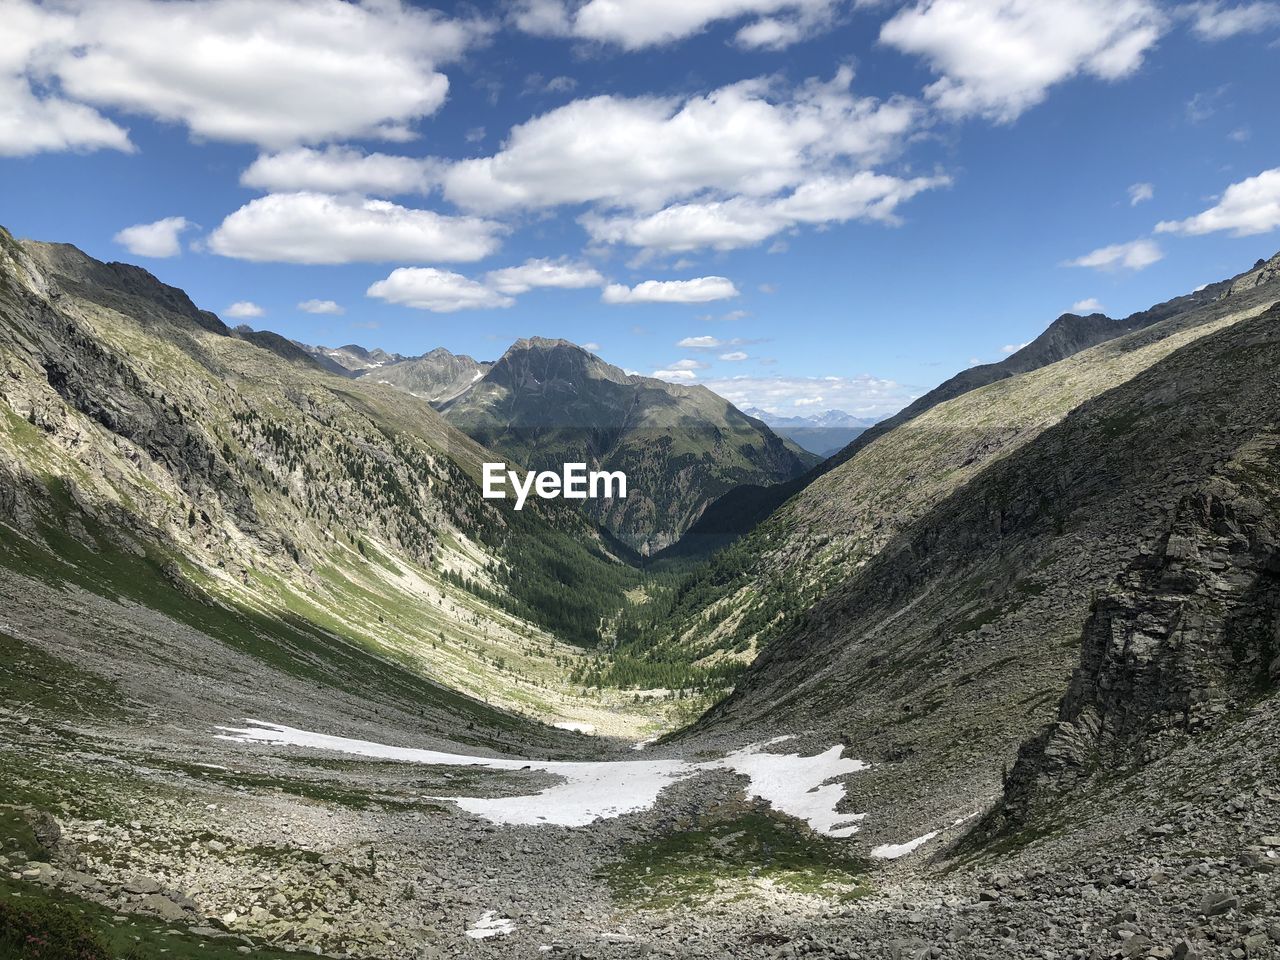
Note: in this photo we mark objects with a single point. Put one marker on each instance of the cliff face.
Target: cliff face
(1189, 632)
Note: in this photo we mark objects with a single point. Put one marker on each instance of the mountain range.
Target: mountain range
(547, 402)
(824, 433)
(1000, 678)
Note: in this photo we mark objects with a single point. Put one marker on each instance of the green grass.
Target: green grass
(34, 681)
(37, 923)
(288, 642)
(728, 855)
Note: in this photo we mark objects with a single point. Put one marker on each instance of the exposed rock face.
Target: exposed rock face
(1189, 632)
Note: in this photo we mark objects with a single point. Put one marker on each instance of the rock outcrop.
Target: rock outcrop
(1189, 633)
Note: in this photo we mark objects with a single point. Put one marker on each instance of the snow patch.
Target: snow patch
(490, 925)
(590, 790)
(892, 851)
(575, 727)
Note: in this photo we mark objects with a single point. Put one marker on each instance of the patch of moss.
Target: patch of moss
(733, 855)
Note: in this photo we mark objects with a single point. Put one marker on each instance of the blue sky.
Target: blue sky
(801, 203)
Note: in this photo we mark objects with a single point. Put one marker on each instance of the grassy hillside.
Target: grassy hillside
(331, 527)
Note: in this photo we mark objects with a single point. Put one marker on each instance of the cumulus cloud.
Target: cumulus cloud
(862, 395)
(1013, 347)
(1140, 192)
(702, 343)
(635, 24)
(158, 239)
(1249, 207)
(340, 170)
(564, 274)
(273, 74)
(440, 291)
(689, 364)
(743, 221)
(698, 290)
(244, 309)
(317, 228)
(1220, 21)
(1086, 306)
(733, 356)
(1134, 255)
(643, 152)
(997, 58)
(321, 306)
(678, 376)
(33, 122)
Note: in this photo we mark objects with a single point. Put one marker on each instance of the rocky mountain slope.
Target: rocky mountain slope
(741, 510)
(150, 453)
(547, 402)
(437, 377)
(847, 515)
(1144, 520)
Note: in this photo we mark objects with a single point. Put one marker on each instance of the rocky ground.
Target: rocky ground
(283, 849)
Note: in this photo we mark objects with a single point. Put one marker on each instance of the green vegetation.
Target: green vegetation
(32, 680)
(37, 923)
(728, 853)
(288, 643)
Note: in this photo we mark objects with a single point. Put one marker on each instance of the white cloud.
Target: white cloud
(244, 309)
(321, 306)
(592, 346)
(702, 343)
(698, 290)
(1246, 208)
(440, 291)
(733, 356)
(689, 364)
(158, 239)
(317, 228)
(31, 121)
(1086, 306)
(1218, 21)
(643, 152)
(273, 74)
(563, 274)
(1140, 192)
(1134, 255)
(862, 395)
(680, 376)
(634, 24)
(340, 170)
(741, 221)
(1013, 347)
(997, 58)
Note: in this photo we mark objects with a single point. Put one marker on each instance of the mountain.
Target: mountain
(854, 507)
(1006, 675)
(823, 433)
(222, 492)
(352, 359)
(437, 377)
(1126, 554)
(548, 402)
(740, 510)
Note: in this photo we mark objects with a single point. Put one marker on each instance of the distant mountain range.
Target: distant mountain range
(548, 402)
(823, 433)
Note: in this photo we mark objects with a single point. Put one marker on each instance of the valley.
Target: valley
(998, 679)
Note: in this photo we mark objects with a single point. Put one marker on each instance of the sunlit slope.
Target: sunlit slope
(843, 518)
(149, 453)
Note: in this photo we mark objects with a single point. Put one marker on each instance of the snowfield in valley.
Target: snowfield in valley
(798, 786)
